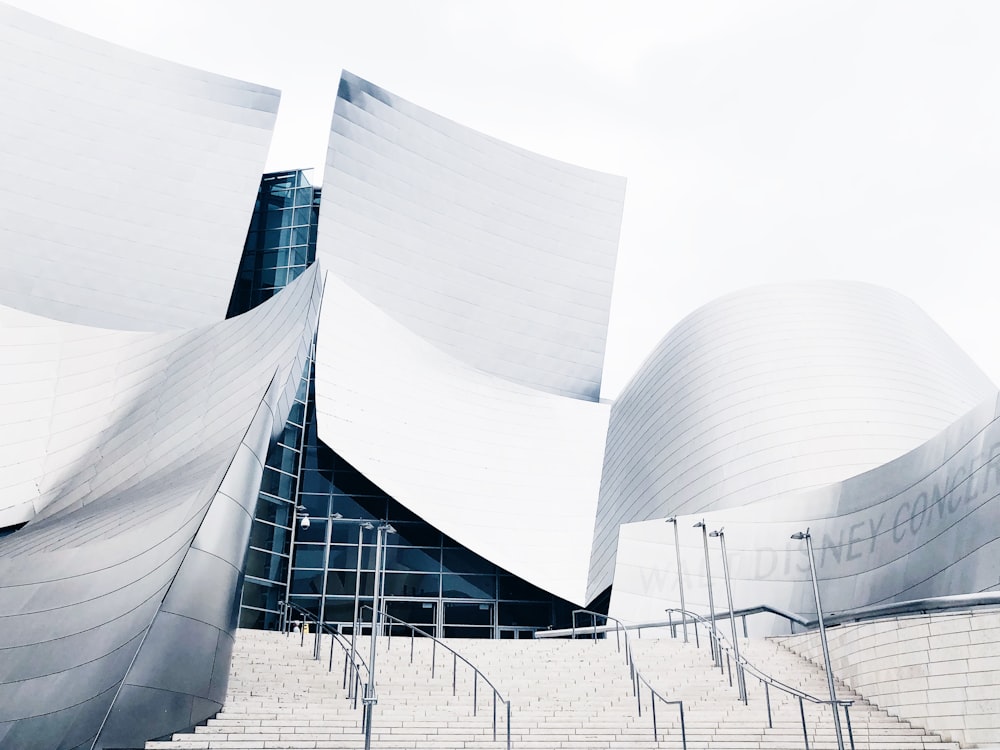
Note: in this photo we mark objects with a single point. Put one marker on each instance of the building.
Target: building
(418, 340)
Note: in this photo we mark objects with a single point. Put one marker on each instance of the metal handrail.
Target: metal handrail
(477, 673)
(634, 673)
(743, 664)
(355, 663)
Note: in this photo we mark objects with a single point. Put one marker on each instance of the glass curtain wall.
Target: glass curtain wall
(281, 243)
(431, 580)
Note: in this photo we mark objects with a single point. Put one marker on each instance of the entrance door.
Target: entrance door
(517, 633)
(420, 613)
(467, 619)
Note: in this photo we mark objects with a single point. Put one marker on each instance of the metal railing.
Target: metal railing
(353, 661)
(477, 673)
(744, 666)
(636, 676)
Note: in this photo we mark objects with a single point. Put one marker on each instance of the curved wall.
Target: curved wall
(502, 258)
(118, 599)
(924, 525)
(770, 391)
(510, 472)
(126, 182)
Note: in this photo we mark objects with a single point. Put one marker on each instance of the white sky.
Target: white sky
(763, 141)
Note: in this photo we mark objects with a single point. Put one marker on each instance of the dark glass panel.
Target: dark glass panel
(413, 558)
(471, 586)
(464, 561)
(411, 584)
(468, 614)
(512, 587)
(307, 581)
(308, 603)
(264, 564)
(273, 511)
(342, 582)
(266, 536)
(415, 613)
(308, 556)
(315, 533)
(538, 615)
(276, 483)
(415, 534)
(284, 458)
(345, 556)
(453, 631)
(340, 609)
(279, 219)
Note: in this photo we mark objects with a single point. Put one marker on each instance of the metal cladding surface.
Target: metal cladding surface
(770, 391)
(502, 258)
(126, 182)
(510, 472)
(118, 599)
(924, 525)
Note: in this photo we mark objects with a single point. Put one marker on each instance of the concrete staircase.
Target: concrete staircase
(564, 694)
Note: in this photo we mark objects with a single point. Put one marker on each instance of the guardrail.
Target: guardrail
(743, 666)
(455, 656)
(352, 659)
(634, 673)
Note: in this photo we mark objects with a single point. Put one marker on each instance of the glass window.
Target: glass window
(266, 536)
(308, 555)
(415, 534)
(471, 586)
(307, 581)
(411, 584)
(460, 613)
(273, 511)
(342, 582)
(413, 558)
(464, 561)
(535, 614)
(266, 565)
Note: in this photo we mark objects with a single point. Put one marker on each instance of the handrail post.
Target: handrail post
(508, 725)
(850, 731)
(802, 712)
(494, 715)
(652, 703)
(767, 697)
(684, 737)
(454, 673)
(475, 690)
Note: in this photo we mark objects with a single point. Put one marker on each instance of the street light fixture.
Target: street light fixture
(330, 518)
(740, 682)
(799, 536)
(370, 699)
(680, 576)
(716, 653)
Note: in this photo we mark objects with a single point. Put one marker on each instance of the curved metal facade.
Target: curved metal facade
(771, 391)
(127, 181)
(924, 525)
(484, 460)
(118, 600)
(502, 258)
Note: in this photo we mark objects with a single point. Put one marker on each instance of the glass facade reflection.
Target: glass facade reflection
(430, 580)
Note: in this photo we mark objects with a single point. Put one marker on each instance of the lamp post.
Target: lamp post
(711, 600)
(370, 699)
(799, 536)
(740, 683)
(680, 575)
(362, 527)
(330, 518)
